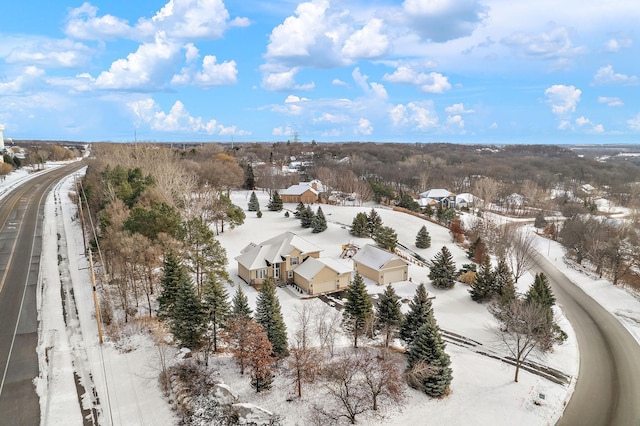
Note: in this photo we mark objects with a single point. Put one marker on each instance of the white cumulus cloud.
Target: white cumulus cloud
(563, 99)
(634, 123)
(212, 74)
(606, 75)
(610, 101)
(443, 20)
(417, 115)
(432, 82)
(369, 42)
(458, 109)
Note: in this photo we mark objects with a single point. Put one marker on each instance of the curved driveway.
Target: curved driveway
(607, 391)
(21, 213)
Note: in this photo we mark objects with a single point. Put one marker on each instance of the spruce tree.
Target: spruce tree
(374, 221)
(216, 307)
(254, 204)
(484, 284)
(428, 348)
(443, 270)
(386, 238)
(269, 315)
(359, 226)
(299, 209)
(240, 306)
(171, 272)
(306, 217)
(423, 239)
(503, 278)
(319, 222)
(419, 311)
(358, 309)
(388, 314)
(540, 293)
(249, 178)
(275, 203)
(187, 322)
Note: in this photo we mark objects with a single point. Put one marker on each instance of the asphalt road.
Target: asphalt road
(607, 391)
(21, 214)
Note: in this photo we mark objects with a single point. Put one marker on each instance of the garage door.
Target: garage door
(394, 276)
(323, 287)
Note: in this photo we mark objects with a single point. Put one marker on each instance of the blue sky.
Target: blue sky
(468, 71)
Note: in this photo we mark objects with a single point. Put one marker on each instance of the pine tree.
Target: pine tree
(254, 204)
(319, 222)
(171, 272)
(358, 309)
(359, 226)
(540, 293)
(374, 221)
(503, 278)
(240, 305)
(216, 307)
(443, 271)
(388, 314)
(423, 239)
(306, 217)
(187, 322)
(269, 315)
(419, 311)
(249, 179)
(275, 203)
(386, 238)
(428, 349)
(483, 288)
(299, 209)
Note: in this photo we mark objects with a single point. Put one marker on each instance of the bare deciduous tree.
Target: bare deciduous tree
(304, 362)
(327, 326)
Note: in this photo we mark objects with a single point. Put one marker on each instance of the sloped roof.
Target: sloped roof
(436, 193)
(273, 250)
(466, 197)
(312, 266)
(298, 189)
(374, 257)
(426, 201)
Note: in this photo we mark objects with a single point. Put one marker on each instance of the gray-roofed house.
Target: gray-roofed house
(380, 265)
(323, 275)
(304, 192)
(441, 196)
(276, 257)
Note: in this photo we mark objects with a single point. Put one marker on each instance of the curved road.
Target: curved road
(607, 391)
(21, 213)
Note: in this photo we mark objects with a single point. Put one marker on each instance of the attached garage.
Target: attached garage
(316, 276)
(381, 266)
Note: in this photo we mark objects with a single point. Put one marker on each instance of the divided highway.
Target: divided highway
(21, 214)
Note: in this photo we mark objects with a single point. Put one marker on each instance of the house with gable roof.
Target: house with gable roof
(304, 192)
(380, 265)
(435, 197)
(323, 275)
(275, 258)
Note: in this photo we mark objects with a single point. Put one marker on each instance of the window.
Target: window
(294, 260)
(261, 273)
(290, 274)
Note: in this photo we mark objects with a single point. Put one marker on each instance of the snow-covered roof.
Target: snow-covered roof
(466, 197)
(436, 194)
(298, 189)
(426, 201)
(312, 266)
(374, 257)
(274, 250)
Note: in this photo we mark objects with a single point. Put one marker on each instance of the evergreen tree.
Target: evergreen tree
(269, 315)
(299, 209)
(428, 349)
(171, 272)
(259, 214)
(503, 278)
(249, 179)
(388, 314)
(216, 307)
(187, 322)
(386, 238)
(423, 239)
(319, 222)
(540, 293)
(419, 311)
(275, 203)
(540, 221)
(477, 251)
(306, 217)
(484, 284)
(254, 204)
(240, 305)
(359, 226)
(443, 271)
(358, 309)
(374, 221)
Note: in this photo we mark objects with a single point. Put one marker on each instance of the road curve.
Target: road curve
(607, 390)
(21, 213)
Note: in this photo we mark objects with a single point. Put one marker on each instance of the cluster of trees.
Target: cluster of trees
(371, 226)
(308, 219)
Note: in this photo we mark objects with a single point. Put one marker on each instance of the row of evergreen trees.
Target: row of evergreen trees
(308, 219)
(429, 365)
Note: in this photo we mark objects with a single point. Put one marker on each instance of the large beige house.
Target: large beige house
(275, 258)
(304, 192)
(323, 275)
(380, 265)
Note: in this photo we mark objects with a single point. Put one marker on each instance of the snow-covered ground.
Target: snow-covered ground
(125, 379)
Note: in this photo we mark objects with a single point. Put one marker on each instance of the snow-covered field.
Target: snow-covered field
(125, 381)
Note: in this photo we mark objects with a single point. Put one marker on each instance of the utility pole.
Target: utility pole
(95, 297)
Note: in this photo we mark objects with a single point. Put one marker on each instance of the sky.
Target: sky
(462, 71)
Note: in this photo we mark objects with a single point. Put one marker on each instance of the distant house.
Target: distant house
(442, 197)
(276, 258)
(465, 200)
(322, 275)
(380, 265)
(304, 192)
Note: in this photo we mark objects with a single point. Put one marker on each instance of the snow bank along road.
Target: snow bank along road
(608, 388)
(21, 213)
